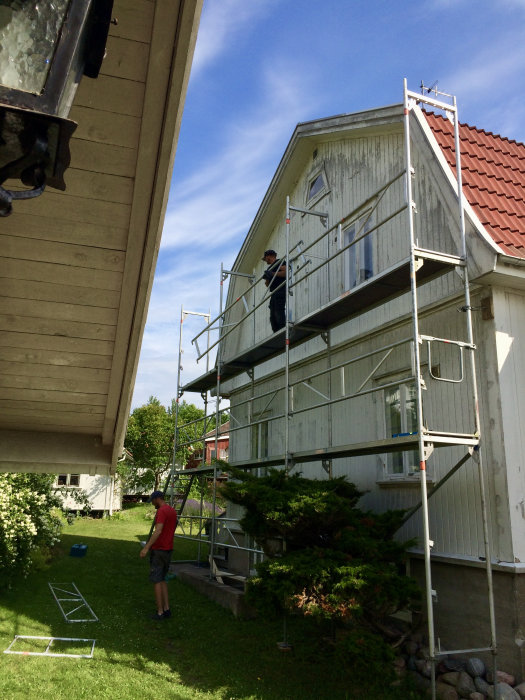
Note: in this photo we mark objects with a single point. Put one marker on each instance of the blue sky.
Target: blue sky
(262, 66)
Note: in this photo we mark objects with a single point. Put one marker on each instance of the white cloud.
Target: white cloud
(211, 211)
(486, 84)
(221, 24)
(217, 202)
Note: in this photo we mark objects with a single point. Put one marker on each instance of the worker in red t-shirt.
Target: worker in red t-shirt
(160, 546)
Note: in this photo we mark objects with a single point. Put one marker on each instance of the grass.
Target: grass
(201, 653)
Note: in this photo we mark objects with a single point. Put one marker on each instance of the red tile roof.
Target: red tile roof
(493, 172)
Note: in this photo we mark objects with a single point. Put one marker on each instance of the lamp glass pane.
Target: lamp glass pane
(29, 30)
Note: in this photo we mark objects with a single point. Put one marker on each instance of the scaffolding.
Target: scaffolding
(406, 276)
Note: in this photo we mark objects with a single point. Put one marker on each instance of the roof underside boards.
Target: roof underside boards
(77, 266)
(493, 173)
(376, 290)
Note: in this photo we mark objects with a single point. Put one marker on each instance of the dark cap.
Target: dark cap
(156, 494)
(269, 252)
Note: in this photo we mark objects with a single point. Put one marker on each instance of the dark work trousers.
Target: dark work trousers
(277, 311)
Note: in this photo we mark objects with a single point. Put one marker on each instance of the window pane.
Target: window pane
(28, 32)
(62, 480)
(316, 186)
(393, 411)
(74, 479)
(264, 440)
(351, 253)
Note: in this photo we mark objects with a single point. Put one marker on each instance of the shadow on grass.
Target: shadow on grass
(201, 652)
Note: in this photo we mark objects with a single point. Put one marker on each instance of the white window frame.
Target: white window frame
(359, 258)
(310, 201)
(68, 481)
(260, 439)
(408, 460)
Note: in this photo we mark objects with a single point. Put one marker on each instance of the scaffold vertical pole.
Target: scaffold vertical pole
(287, 345)
(419, 397)
(176, 428)
(475, 398)
(217, 422)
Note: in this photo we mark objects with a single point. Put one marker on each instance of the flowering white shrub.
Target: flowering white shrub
(27, 521)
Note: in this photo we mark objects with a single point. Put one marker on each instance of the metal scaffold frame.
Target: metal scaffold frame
(417, 268)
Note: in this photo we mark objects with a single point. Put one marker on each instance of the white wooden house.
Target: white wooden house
(104, 492)
(349, 167)
(77, 266)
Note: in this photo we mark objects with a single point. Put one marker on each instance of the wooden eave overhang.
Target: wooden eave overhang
(77, 267)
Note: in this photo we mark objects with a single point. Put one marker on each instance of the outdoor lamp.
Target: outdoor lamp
(45, 48)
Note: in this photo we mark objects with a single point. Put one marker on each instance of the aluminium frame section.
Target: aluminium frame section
(183, 314)
(424, 446)
(50, 641)
(74, 596)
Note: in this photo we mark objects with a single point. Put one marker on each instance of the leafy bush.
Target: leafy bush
(335, 562)
(28, 522)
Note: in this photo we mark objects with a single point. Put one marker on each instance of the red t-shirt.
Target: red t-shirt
(168, 516)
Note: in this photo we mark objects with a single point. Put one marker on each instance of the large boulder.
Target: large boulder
(446, 692)
(451, 677)
(520, 689)
(505, 692)
(475, 667)
(465, 685)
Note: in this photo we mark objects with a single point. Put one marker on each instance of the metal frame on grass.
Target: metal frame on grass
(74, 596)
(50, 653)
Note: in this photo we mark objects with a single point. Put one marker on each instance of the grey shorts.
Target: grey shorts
(159, 563)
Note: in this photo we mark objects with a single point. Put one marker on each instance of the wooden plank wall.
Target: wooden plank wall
(63, 254)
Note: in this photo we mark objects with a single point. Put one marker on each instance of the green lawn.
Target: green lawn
(202, 652)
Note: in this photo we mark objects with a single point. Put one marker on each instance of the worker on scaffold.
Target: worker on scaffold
(274, 277)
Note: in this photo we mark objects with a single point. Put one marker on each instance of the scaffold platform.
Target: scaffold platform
(383, 286)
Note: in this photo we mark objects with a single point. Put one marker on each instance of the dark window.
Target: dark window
(74, 479)
(316, 186)
(62, 480)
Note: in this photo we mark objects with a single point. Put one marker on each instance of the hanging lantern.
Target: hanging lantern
(45, 48)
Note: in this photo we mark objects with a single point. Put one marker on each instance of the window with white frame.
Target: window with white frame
(358, 258)
(260, 440)
(316, 188)
(68, 480)
(401, 419)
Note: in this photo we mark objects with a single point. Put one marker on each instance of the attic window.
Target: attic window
(316, 185)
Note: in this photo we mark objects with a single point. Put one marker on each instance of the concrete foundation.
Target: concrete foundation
(230, 597)
(461, 612)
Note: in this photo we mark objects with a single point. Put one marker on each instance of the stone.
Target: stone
(502, 677)
(452, 664)
(505, 692)
(477, 696)
(399, 662)
(481, 686)
(451, 677)
(411, 648)
(418, 681)
(424, 667)
(475, 667)
(520, 689)
(423, 653)
(446, 692)
(465, 685)
(411, 663)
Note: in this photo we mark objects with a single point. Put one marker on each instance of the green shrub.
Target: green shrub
(336, 561)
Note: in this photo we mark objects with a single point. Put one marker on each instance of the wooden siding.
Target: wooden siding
(77, 266)
(356, 168)
(63, 254)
